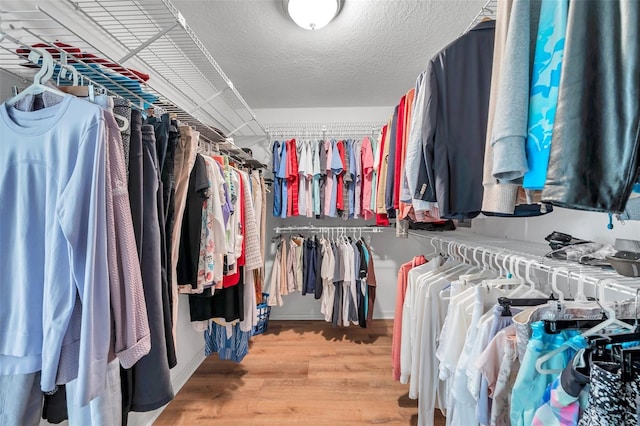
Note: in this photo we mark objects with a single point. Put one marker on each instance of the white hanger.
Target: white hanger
(435, 249)
(611, 313)
(44, 74)
(554, 282)
(125, 122)
(502, 282)
(528, 284)
(513, 270)
(580, 296)
(475, 259)
(609, 322)
(527, 274)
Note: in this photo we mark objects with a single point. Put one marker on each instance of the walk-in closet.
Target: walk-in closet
(349, 212)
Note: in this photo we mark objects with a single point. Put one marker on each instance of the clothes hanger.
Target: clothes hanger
(611, 314)
(512, 270)
(501, 282)
(435, 249)
(601, 341)
(554, 282)
(610, 322)
(580, 301)
(611, 348)
(482, 274)
(528, 287)
(43, 75)
(77, 89)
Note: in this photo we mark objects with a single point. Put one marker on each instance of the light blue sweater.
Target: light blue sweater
(53, 241)
(545, 84)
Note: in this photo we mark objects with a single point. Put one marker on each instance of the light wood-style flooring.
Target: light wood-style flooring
(300, 373)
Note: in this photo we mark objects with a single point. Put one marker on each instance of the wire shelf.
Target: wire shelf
(149, 35)
(488, 11)
(321, 130)
(327, 229)
(505, 253)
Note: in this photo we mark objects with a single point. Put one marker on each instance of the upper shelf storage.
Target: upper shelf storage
(151, 36)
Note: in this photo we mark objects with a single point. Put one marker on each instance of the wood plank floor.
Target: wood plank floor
(300, 372)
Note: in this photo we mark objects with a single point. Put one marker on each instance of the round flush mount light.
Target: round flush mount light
(312, 14)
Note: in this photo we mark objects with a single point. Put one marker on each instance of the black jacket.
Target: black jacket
(595, 148)
(455, 124)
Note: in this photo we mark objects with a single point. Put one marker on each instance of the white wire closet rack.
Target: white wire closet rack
(148, 35)
(328, 230)
(488, 11)
(323, 130)
(510, 255)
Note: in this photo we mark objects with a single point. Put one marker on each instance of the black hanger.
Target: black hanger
(614, 339)
(628, 359)
(507, 302)
(556, 326)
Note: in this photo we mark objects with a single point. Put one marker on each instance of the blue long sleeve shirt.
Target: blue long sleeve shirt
(53, 241)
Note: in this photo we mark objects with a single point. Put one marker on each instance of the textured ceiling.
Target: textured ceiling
(368, 56)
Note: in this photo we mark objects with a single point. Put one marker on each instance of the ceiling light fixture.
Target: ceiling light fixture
(312, 14)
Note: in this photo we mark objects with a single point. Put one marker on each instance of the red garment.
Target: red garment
(401, 290)
(339, 189)
(234, 279)
(87, 58)
(399, 154)
(382, 219)
(292, 178)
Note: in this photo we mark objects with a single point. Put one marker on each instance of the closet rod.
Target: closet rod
(321, 129)
(327, 229)
(513, 260)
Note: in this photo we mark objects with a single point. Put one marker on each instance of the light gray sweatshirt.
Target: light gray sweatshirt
(509, 125)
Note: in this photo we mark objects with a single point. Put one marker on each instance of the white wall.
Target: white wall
(581, 224)
(7, 81)
(314, 115)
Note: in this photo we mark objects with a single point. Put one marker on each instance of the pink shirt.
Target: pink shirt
(366, 153)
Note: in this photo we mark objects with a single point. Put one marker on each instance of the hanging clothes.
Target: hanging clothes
(337, 272)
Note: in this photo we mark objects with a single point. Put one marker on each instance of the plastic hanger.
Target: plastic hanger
(554, 282)
(473, 276)
(43, 75)
(611, 314)
(125, 122)
(611, 321)
(580, 296)
(503, 282)
(511, 270)
(475, 259)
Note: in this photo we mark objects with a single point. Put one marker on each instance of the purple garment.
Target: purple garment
(227, 206)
